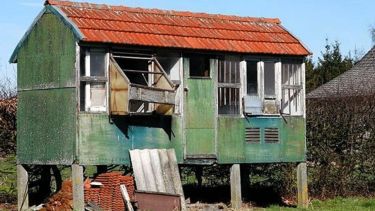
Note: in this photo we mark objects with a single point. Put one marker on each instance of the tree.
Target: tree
(330, 65)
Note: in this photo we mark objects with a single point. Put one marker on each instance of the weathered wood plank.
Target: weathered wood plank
(235, 186)
(22, 188)
(176, 176)
(77, 183)
(303, 199)
(119, 85)
(166, 171)
(151, 95)
(125, 196)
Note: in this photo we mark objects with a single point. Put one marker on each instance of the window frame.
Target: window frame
(235, 85)
(88, 80)
(276, 88)
(206, 56)
(300, 89)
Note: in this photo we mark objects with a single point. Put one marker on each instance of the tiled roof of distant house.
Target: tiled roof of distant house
(359, 80)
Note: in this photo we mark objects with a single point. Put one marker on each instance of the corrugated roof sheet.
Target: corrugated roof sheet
(164, 28)
(358, 81)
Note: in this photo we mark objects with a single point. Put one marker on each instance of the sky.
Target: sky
(312, 21)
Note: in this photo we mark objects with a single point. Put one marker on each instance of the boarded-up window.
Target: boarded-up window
(229, 83)
(269, 79)
(252, 77)
(292, 88)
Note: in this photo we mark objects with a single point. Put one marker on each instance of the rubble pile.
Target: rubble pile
(108, 195)
(62, 200)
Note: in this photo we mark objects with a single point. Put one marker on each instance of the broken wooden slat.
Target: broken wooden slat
(176, 176)
(125, 196)
(166, 171)
(152, 95)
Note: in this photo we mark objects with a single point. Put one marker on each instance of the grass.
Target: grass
(336, 204)
(8, 179)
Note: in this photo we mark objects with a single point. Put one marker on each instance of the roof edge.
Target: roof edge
(309, 53)
(61, 15)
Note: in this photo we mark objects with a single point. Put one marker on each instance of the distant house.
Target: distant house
(358, 81)
(95, 81)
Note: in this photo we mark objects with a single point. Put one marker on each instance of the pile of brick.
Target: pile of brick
(63, 200)
(108, 196)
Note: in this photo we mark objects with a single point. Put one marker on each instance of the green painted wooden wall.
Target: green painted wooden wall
(199, 113)
(232, 147)
(102, 142)
(46, 118)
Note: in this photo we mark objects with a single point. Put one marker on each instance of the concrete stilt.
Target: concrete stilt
(235, 186)
(22, 188)
(77, 182)
(303, 200)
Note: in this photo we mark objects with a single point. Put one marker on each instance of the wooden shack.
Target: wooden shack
(95, 81)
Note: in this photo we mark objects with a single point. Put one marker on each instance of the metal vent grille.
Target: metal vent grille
(271, 135)
(252, 135)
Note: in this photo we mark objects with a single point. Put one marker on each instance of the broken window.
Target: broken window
(148, 87)
(94, 80)
(292, 88)
(199, 66)
(269, 79)
(229, 84)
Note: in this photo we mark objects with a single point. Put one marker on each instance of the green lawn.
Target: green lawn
(8, 179)
(337, 204)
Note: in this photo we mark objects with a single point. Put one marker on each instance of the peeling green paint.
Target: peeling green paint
(232, 147)
(200, 112)
(46, 129)
(105, 143)
(46, 118)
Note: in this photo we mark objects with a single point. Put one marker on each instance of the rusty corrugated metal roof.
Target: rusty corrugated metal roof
(164, 28)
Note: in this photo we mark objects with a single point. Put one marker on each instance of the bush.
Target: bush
(340, 143)
(8, 109)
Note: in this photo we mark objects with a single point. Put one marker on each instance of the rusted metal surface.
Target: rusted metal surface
(151, 27)
(157, 171)
(157, 201)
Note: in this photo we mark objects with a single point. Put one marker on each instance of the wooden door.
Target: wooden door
(199, 113)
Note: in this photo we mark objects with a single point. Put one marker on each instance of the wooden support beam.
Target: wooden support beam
(303, 200)
(77, 182)
(235, 186)
(22, 188)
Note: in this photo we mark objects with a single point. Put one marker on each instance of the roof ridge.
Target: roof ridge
(66, 3)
